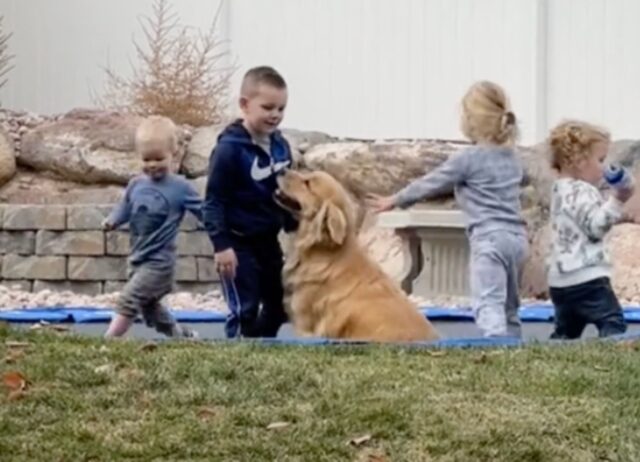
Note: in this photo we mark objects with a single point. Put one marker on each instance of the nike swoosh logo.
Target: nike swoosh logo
(262, 173)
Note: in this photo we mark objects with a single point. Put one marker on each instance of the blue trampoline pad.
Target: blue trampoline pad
(52, 315)
(528, 313)
(82, 315)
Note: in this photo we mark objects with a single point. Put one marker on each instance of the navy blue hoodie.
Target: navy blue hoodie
(242, 180)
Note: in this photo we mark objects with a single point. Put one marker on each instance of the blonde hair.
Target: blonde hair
(157, 130)
(487, 115)
(572, 140)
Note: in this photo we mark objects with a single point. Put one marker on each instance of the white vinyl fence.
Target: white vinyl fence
(360, 68)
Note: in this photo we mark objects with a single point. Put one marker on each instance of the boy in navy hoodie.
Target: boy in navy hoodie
(239, 212)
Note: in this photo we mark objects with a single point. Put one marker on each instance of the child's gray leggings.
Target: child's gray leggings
(496, 265)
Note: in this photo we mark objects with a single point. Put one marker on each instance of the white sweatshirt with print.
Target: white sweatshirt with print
(580, 218)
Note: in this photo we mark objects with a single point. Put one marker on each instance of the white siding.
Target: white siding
(594, 65)
(361, 68)
(61, 47)
(383, 68)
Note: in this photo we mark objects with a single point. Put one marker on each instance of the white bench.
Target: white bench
(435, 247)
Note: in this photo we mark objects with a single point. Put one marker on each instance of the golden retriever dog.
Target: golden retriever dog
(334, 289)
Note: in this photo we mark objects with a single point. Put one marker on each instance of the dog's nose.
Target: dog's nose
(283, 172)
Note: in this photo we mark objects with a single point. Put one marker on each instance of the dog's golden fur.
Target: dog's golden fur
(334, 289)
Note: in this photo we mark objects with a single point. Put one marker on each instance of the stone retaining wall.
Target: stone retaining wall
(64, 248)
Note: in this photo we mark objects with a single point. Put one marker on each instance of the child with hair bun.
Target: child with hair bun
(486, 178)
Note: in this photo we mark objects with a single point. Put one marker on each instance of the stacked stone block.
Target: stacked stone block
(64, 248)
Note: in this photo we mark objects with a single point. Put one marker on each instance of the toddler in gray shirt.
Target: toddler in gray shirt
(486, 179)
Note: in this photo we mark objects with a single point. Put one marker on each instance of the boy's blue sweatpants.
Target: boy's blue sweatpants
(255, 296)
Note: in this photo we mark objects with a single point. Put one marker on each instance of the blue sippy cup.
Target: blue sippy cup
(617, 177)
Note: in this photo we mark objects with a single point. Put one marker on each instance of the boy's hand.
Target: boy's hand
(624, 194)
(226, 263)
(381, 203)
(107, 225)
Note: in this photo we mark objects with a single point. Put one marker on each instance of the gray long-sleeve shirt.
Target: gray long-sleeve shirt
(154, 210)
(486, 181)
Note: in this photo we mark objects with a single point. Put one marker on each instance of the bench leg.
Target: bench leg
(445, 257)
(412, 257)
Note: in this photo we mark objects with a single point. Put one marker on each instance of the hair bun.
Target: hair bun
(508, 118)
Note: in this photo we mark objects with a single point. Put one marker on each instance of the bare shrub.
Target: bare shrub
(182, 72)
(6, 59)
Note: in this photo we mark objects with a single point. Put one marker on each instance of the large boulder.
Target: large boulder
(625, 153)
(384, 246)
(386, 167)
(29, 187)
(539, 176)
(204, 139)
(17, 123)
(196, 160)
(381, 167)
(7, 158)
(301, 141)
(88, 146)
(534, 276)
(200, 184)
(535, 199)
(624, 248)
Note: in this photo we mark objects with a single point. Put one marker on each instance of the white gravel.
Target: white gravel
(14, 298)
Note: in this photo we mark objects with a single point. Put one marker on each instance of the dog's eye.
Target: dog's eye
(307, 182)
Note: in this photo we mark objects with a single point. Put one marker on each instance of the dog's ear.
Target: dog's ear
(336, 224)
(330, 225)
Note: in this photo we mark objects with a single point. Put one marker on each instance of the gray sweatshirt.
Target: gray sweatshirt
(486, 181)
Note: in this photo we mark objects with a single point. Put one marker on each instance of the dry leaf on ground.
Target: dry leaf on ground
(360, 440)
(14, 380)
(371, 455)
(104, 369)
(206, 412)
(43, 325)
(150, 346)
(436, 353)
(60, 328)
(377, 458)
(278, 425)
(16, 344)
(629, 345)
(15, 395)
(13, 356)
(130, 373)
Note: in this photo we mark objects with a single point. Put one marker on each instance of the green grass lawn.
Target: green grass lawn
(91, 400)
